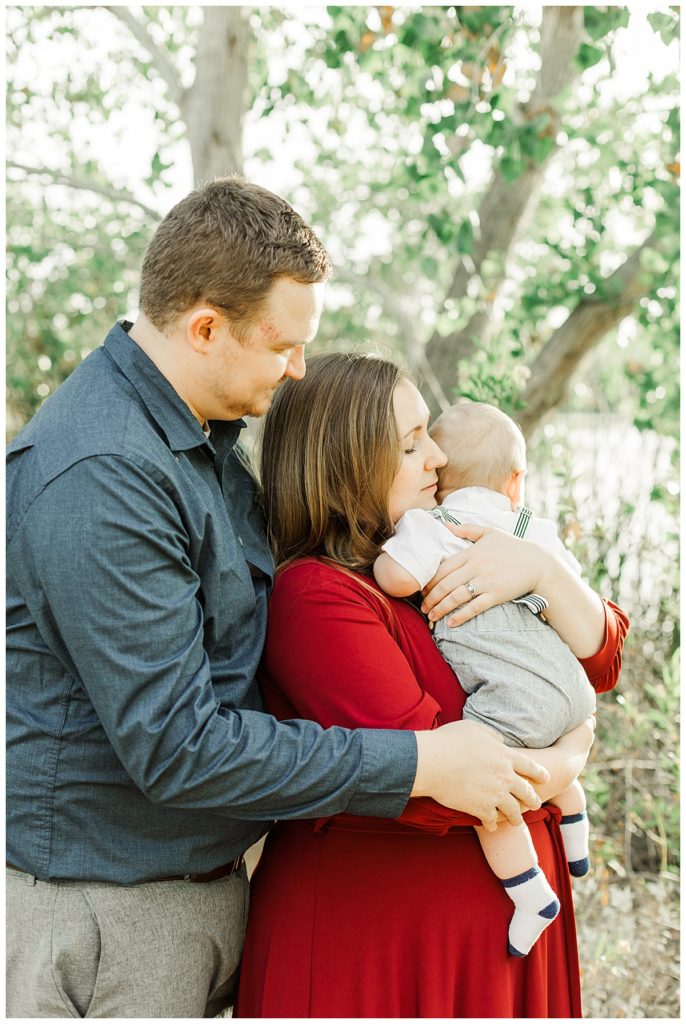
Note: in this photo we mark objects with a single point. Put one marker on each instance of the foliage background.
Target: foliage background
(498, 187)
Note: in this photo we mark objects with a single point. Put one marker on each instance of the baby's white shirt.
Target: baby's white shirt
(421, 540)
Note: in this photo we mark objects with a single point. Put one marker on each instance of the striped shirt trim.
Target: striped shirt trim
(441, 513)
(534, 602)
(523, 521)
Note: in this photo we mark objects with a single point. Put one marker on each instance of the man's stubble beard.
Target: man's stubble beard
(261, 407)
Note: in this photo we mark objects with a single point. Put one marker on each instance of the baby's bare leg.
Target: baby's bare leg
(574, 827)
(509, 850)
(512, 858)
(572, 800)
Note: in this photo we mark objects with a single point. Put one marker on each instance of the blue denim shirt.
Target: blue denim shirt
(138, 575)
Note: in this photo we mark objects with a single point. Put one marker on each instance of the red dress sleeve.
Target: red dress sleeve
(604, 667)
(335, 654)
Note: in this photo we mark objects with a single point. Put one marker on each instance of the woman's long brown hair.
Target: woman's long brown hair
(330, 452)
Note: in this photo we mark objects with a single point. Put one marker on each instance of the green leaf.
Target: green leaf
(664, 25)
(535, 144)
(588, 56)
(458, 170)
(441, 226)
(429, 266)
(465, 237)
(599, 21)
(511, 168)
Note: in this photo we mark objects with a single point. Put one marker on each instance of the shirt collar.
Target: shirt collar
(476, 499)
(164, 404)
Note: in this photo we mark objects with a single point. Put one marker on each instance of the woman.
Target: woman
(362, 917)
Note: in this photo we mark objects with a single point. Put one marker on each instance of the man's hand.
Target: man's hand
(465, 766)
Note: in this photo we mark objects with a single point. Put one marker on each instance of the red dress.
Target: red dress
(370, 917)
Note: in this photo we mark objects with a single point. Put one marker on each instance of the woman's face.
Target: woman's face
(415, 482)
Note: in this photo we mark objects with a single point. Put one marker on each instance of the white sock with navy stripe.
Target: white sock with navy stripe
(574, 828)
(536, 905)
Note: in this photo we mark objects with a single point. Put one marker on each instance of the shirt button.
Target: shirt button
(240, 540)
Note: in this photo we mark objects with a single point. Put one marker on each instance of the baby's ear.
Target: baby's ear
(514, 488)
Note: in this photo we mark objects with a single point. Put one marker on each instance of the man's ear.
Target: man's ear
(202, 326)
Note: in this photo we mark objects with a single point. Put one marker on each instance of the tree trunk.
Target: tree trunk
(214, 107)
(559, 358)
(507, 207)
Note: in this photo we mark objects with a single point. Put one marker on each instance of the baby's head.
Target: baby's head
(485, 448)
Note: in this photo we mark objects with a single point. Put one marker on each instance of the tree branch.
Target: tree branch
(506, 207)
(58, 178)
(407, 328)
(160, 60)
(552, 370)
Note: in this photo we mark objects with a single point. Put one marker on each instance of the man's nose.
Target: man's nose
(296, 364)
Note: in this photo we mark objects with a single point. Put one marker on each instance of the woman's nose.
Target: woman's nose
(436, 457)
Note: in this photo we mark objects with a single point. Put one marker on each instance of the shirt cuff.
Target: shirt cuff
(597, 665)
(408, 560)
(389, 768)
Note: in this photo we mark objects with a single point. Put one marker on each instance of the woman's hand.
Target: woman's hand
(498, 566)
(565, 760)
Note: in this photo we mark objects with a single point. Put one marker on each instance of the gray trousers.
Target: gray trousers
(91, 949)
(522, 679)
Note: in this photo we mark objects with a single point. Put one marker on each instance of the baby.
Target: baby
(521, 678)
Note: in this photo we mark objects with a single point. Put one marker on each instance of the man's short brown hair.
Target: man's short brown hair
(223, 246)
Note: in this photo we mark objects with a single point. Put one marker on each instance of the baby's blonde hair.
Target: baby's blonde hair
(483, 445)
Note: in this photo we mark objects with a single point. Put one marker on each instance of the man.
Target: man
(140, 764)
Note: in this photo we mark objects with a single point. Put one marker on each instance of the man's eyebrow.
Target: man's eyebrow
(282, 343)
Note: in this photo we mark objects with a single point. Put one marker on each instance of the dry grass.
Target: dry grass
(628, 945)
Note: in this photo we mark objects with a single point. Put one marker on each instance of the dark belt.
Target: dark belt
(209, 876)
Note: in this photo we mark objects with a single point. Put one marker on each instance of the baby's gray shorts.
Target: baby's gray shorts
(521, 678)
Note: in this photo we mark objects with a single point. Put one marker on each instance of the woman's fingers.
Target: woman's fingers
(467, 611)
(581, 736)
(453, 596)
(498, 566)
(449, 588)
(468, 532)
(446, 573)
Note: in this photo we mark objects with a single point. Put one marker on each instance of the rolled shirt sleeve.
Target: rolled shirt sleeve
(603, 668)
